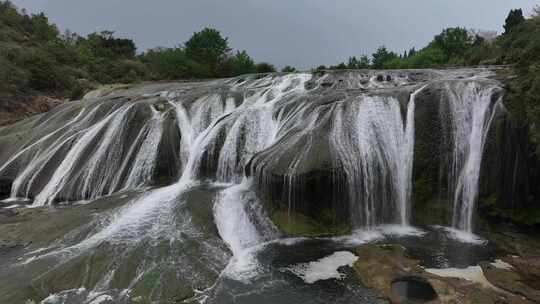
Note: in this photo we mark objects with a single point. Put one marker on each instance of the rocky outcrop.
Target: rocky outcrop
(393, 275)
(14, 108)
(5, 188)
(329, 148)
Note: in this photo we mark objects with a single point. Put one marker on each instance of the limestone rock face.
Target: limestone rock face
(345, 150)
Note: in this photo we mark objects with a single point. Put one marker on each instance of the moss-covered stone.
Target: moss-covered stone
(297, 224)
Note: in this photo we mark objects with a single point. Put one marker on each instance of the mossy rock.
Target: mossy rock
(296, 224)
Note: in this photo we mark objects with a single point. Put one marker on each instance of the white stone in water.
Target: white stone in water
(325, 268)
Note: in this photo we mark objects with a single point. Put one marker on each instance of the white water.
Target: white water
(472, 113)
(325, 268)
(243, 225)
(379, 164)
(370, 137)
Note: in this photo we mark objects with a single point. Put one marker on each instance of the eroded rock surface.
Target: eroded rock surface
(382, 266)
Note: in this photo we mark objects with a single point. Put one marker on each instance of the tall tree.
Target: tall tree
(265, 67)
(383, 56)
(207, 47)
(241, 63)
(453, 41)
(288, 69)
(515, 18)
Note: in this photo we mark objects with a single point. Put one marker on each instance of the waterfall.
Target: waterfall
(377, 154)
(338, 148)
(276, 121)
(472, 111)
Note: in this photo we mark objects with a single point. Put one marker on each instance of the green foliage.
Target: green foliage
(453, 42)
(241, 63)
(521, 47)
(515, 18)
(205, 55)
(35, 57)
(383, 57)
(104, 45)
(265, 67)
(288, 69)
(207, 47)
(362, 63)
(297, 224)
(167, 63)
(39, 59)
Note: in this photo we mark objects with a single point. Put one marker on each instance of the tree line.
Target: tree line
(205, 55)
(37, 58)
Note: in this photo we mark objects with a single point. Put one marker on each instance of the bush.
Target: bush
(265, 67)
(288, 69)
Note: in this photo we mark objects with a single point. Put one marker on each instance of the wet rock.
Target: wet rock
(528, 268)
(5, 188)
(380, 265)
(388, 270)
(519, 276)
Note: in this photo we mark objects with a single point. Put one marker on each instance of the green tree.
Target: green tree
(104, 44)
(288, 69)
(341, 66)
(207, 47)
(241, 63)
(515, 18)
(453, 41)
(352, 63)
(167, 63)
(42, 30)
(361, 63)
(383, 56)
(320, 69)
(265, 67)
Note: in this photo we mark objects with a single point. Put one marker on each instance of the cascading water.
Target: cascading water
(238, 148)
(472, 111)
(379, 160)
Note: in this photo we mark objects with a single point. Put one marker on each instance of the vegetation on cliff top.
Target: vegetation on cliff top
(38, 59)
(518, 46)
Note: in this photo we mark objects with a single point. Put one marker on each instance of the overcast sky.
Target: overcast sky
(302, 33)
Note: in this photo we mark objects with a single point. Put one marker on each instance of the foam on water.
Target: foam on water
(399, 230)
(325, 268)
(359, 237)
(463, 236)
(472, 273)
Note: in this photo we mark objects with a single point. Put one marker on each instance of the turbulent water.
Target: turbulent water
(188, 172)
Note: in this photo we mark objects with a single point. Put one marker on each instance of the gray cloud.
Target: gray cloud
(303, 33)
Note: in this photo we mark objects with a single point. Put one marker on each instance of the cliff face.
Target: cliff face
(338, 150)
